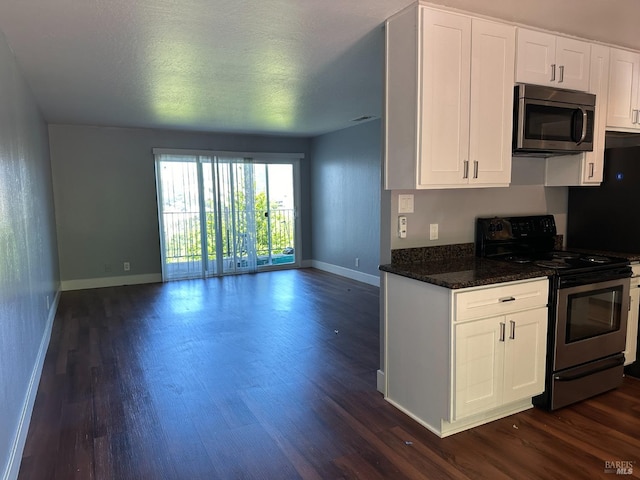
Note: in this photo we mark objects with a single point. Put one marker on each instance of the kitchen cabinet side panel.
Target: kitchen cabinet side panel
(417, 367)
(401, 105)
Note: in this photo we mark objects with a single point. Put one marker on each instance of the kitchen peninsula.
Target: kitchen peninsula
(445, 309)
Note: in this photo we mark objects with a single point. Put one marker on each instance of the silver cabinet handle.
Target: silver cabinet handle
(475, 169)
(465, 174)
(512, 336)
(561, 79)
(591, 169)
(553, 72)
(502, 326)
(634, 116)
(507, 299)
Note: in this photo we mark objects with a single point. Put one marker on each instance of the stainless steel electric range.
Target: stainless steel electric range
(588, 306)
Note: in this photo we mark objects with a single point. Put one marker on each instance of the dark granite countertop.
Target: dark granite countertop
(466, 271)
(455, 266)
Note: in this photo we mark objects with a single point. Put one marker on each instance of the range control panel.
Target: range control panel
(506, 228)
(502, 235)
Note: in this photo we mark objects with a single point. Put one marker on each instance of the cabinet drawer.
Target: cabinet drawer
(503, 299)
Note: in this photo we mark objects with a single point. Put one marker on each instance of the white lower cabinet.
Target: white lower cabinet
(455, 359)
(498, 361)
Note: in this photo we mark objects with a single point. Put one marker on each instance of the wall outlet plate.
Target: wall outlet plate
(433, 231)
(402, 226)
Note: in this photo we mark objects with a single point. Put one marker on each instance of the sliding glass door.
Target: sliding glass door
(223, 214)
(275, 214)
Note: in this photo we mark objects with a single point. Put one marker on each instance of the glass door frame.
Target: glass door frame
(297, 230)
(215, 267)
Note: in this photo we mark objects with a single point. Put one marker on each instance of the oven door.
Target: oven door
(591, 321)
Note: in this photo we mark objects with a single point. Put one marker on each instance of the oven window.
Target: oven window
(593, 313)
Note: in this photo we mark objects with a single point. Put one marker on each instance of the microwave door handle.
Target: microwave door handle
(584, 125)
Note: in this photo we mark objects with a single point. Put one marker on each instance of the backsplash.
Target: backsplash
(444, 252)
(428, 254)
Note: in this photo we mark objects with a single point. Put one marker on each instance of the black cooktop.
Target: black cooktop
(563, 259)
(532, 240)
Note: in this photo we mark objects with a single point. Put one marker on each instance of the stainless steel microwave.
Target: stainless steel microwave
(551, 121)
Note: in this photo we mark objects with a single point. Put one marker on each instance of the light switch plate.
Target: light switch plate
(405, 203)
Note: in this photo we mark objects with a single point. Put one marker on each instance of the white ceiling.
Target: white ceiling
(295, 67)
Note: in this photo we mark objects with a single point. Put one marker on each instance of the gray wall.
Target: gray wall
(455, 210)
(29, 276)
(345, 187)
(105, 194)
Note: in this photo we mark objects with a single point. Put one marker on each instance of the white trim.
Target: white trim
(15, 457)
(380, 385)
(85, 283)
(347, 272)
(225, 154)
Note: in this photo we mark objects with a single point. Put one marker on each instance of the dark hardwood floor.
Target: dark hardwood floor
(273, 376)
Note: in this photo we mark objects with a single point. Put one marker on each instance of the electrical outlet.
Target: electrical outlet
(433, 231)
(357, 262)
(402, 226)
(127, 266)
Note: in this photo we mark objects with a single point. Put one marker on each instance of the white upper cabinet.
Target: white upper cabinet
(448, 100)
(546, 59)
(593, 165)
(623, 106)
(585, 169)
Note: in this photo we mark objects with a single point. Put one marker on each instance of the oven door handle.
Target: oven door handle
(614, 362)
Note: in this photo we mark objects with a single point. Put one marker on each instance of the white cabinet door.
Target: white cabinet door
(545, 59)
(631, 348)
(444, 105)
(524, 354)
(599, 86)
(536, 57)
(573, 58)
(478, 367)
(622, 109)
(491, 121)
(498, 360)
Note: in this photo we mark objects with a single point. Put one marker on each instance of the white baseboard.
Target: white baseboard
(380, 385)
(85, 283)
(15, 457)
(347, 272)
